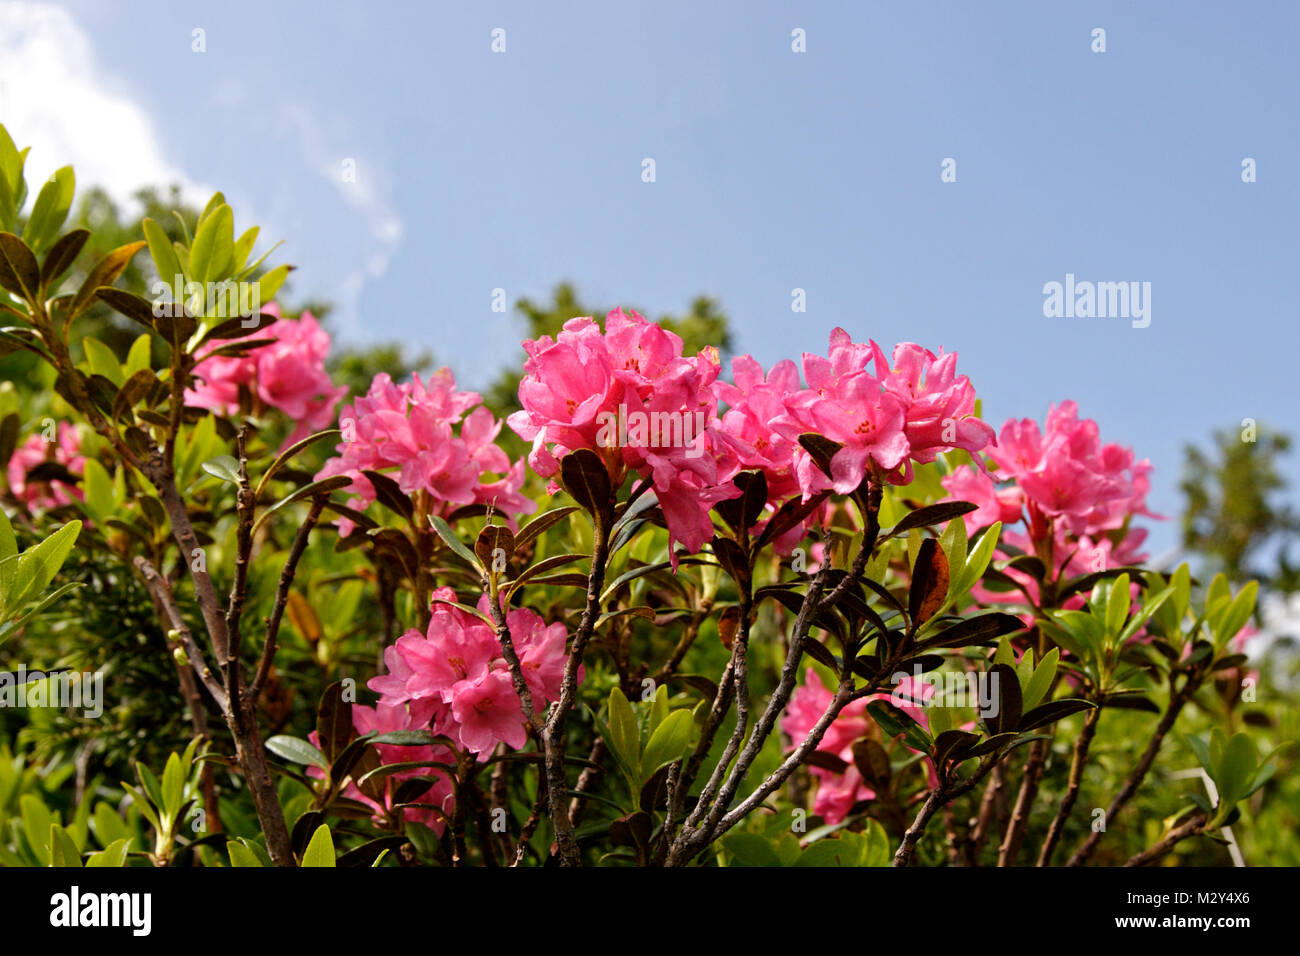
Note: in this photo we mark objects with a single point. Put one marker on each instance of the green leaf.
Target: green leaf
(750, 849)
(322, 487)
(37, 820)
(112, 856)
(269, 284)
(669, 740)
(19, 271)
(979, 558)
(955, 545)
(1236, 770)
(1041, 679)
(297, 750)
(50, 210)
(242, 856)
(8, 543)
(283, 458)
(164, 256)
(449, 538)
(1117, 605)
(173, 786)
(1182, 583)
(103, 273)
(1202, 751)
(37, 566)
(1237, 614)
(214, 245)
(99, 491)
(320, 850)
(626, 736)
(1152, 604)
(539, 524)
(225, 467)
(63, 852)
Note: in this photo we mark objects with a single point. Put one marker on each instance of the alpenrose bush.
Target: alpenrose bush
(822, 614)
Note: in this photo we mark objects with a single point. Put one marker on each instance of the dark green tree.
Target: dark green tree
(1234, 514)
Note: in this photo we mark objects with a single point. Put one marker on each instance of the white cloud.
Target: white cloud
(55, 99)
(364, 190)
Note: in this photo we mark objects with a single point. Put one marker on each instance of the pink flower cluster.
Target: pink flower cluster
(455, 678)
(579, 383)
(386, 717)
(1062, 476)
(288, 374)
(885, 418)
(412, 428)
(839, 792)
(66, 451)
(1076, 496)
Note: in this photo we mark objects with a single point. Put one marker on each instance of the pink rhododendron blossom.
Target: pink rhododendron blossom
(1066, 473)
(66, 451)
(1076, 496)
(455, 677)
(386, 717)
(940, 404)
(435, 438)
(631, 396)
(885, 420)
(838, 793)
(287, 374)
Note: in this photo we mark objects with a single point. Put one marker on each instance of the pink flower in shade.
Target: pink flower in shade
(837, 793)
(386, 717)
(456, 677)
(577, 386)
(66, 451)
(542, 652)
(287, 374)
(436, 439)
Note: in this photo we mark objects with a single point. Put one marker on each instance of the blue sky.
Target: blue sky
(775, 170)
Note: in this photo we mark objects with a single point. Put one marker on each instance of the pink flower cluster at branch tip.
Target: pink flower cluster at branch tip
(1076, 495)
(287, 374)
(454, 675)
(65, 451)
(885, 420)
(1063, 475)
(577, 383)
(438, 439)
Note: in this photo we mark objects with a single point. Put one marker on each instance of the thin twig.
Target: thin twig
(282, 596)
(1077, 762)
(1176, 703)
(1193, 827)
